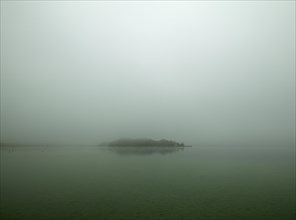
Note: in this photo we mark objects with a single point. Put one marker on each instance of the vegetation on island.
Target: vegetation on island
(126, 142)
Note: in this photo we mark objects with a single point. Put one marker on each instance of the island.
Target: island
(128, 142)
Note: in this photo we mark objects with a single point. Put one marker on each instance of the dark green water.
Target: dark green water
(191, 183)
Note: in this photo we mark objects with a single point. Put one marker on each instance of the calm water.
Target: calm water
(148, 183)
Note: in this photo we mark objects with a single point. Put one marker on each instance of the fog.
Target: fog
(198, 72)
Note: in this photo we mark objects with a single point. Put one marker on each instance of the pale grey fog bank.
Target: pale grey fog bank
(198, 72)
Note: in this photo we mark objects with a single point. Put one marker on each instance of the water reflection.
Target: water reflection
(144, 150)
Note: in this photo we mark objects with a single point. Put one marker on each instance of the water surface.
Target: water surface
(148, 183)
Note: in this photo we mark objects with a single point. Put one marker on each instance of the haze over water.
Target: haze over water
(217, 75)
(197, 72)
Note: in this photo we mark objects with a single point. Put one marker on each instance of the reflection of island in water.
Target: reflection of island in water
(144, 150)
(144, 142)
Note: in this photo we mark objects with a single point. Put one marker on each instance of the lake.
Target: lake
(231, 183)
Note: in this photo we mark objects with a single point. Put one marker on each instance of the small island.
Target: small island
(127, 142)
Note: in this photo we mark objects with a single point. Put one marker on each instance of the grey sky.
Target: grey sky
(198, 72)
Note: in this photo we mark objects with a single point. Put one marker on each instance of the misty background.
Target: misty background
(197, 72)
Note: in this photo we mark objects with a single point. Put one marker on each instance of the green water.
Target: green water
(238, 183)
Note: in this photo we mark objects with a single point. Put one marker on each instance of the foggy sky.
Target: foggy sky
(197, 72)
